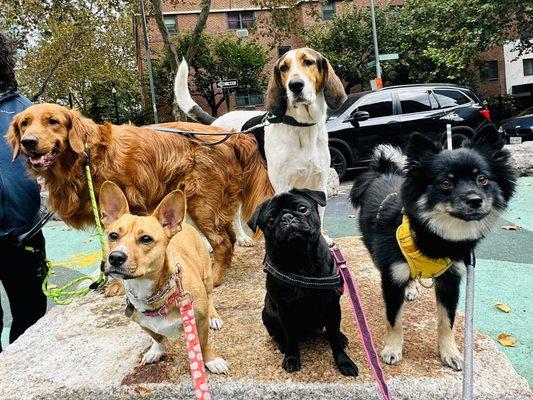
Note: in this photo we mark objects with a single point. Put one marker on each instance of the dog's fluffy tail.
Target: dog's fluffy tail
(184, 99)
(387, 159)
(256, 185)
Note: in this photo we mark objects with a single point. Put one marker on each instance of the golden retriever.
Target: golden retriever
(147, 165)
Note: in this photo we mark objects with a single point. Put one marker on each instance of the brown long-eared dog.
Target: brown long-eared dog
(146, 165)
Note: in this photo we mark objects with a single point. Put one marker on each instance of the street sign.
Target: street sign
(383, 57)
(228, 84)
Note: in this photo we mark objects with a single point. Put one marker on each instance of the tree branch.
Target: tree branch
(169, 46)
(200, 25)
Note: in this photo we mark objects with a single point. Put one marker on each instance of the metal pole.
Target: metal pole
(148, 60)
(375, 38)
(468, 374)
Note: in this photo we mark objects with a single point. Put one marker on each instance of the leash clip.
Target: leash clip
(337, 254)
(426, 286)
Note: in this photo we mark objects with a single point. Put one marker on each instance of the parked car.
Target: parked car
(519, 128)
(391, 114)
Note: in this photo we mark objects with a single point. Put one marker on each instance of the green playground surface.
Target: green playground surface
(504, 272)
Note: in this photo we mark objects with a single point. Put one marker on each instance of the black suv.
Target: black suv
(391, 114)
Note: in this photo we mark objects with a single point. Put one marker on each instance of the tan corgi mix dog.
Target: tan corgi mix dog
(151, 254)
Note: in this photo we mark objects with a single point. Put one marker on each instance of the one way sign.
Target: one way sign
(228, 84)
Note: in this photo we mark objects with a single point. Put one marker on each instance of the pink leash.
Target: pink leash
(196, 361)
(362, 324)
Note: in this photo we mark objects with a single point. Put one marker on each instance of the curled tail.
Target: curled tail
(256, 184)
(387, 159)
(184, 99)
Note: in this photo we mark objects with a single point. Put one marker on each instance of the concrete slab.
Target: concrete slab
(90, 350)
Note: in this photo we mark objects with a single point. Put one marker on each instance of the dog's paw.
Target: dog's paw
(391, 355)
(411, 291)
(343, 339)
(115, 288)
(154, 354)
(245, 241)
(347, 367)
(452, 359)
(291, 364)
(216, 323)
(217, 366)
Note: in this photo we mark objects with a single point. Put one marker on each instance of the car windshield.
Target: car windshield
(527, 111)
(352, 98)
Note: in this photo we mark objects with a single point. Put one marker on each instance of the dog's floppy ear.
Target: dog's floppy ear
(258, 217)
(171, 212)
(13, 136)
(79, 130)
(419, 145)
(276, 95)
(113, 203)
(487, 138)
(315, 195)
(333, 88)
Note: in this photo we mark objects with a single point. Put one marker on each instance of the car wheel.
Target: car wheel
(338, 162)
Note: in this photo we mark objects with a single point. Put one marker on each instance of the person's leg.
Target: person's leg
(22, 280)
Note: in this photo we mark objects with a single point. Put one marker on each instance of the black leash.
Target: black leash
(267, 119)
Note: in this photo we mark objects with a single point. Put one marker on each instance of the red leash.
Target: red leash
(362, 324)
(196, 361)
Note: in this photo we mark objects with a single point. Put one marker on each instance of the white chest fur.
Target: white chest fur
(142, 289)
(297, 156)
(168, 327)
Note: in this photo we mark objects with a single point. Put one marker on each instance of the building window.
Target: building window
(249, 99)
(241, 20)
(171, 24)
(282, 50)
(328, 9)
(528, 66)
(489, 70)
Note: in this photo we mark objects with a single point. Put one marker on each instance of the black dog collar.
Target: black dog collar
(328, 282)
(285, 119)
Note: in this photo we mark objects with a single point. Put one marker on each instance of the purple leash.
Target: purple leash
(362, 324)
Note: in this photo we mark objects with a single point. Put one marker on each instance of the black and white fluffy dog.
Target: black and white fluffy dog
(296, 251)
(452, 199)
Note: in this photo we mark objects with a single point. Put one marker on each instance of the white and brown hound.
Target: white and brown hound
(301, 88)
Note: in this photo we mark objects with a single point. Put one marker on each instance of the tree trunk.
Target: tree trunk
(200, 25)
(167, 40)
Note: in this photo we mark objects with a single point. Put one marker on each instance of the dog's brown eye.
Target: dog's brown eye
(113, 236)
(284, 68)
(482, 180)
(446, 184)
(270, 221)
(302, 208)
(145, 239)
(308, 63)
(24, 123)
(52, 121)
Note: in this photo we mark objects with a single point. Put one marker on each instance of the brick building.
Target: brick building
(242, 18)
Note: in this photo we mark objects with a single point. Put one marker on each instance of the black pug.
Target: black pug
(452, 199)
(297, 251)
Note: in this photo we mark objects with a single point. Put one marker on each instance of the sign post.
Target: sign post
(226, 85)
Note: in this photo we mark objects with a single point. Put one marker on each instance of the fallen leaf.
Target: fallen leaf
(525, 184)
(512, 227)
(142, 390)
(506, 340)
(504, 307)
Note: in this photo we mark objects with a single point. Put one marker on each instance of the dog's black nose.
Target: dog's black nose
(29, 142)
(474, 201)
(296, 85)
(117, 258)
(287, 218)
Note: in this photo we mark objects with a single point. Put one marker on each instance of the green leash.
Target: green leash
(64, 295)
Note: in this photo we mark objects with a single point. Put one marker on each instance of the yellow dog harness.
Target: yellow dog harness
(420, 265)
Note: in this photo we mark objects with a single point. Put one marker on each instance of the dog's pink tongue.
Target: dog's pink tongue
(37, 159)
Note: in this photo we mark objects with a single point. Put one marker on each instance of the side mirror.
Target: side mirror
(357, 116)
